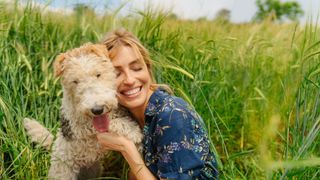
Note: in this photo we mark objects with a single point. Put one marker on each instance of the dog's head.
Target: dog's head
(88, 80)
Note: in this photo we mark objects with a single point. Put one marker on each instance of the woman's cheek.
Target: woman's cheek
(118, 83)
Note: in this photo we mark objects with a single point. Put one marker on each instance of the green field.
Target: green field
(256, 85)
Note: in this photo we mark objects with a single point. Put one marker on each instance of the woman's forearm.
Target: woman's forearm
(136, 163)
(129, 151)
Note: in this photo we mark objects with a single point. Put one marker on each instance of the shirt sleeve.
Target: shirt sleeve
(181, 145)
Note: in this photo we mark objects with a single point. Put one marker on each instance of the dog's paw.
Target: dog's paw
(38, 133)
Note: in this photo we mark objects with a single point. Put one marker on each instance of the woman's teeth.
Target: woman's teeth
(132, 91)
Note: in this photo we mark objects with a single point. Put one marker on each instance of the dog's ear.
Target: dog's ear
(59, 65)
(100, 50)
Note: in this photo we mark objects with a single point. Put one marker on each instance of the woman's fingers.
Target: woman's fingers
(111, 141)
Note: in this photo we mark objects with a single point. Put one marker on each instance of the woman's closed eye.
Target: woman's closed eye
(137, 68)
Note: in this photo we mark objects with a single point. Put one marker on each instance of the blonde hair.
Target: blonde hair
(121, 37)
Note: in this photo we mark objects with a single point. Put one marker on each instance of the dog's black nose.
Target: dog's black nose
(97, 110)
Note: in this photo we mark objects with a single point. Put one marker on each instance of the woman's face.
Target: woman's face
(133, 79)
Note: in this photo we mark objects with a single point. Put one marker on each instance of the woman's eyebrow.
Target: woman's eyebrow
(136, 61)
(133, 62)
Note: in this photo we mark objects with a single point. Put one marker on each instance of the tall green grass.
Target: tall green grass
(257, 86)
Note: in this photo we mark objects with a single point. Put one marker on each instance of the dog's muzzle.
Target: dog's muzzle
(97, 110)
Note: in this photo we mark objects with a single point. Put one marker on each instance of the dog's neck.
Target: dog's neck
(65, 126)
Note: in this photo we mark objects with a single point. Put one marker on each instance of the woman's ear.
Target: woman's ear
(58, 65)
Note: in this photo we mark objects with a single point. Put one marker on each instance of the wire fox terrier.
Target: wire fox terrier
(89, 106)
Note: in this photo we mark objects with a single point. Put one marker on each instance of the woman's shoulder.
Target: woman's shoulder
(169, 110)
(161, 102)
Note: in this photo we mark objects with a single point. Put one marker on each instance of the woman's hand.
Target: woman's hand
(113, 142)
(129, 151)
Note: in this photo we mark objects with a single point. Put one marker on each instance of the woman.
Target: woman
(176, 145)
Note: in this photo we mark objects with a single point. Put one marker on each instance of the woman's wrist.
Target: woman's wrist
(130, 152)
(127, 146)
(132, 155)
(135, 161)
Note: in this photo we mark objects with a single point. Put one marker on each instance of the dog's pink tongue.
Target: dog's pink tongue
(101, 123)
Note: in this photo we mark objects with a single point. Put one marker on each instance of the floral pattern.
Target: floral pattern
(176, 144)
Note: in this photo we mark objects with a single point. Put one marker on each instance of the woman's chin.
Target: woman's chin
(134, 100)
(131, 103)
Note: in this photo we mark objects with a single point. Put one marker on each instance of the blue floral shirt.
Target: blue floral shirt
(176, 144)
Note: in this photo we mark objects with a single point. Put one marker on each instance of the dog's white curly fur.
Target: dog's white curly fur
(76, 145)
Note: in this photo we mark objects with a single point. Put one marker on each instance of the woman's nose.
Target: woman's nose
(128, 79)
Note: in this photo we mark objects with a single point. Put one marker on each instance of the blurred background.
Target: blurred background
(239, 11)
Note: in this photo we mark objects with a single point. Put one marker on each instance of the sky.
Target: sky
(241, 10)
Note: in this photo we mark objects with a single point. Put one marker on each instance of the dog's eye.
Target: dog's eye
(98, 75)
(75, 82)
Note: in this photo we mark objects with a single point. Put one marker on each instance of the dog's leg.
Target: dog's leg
(91, 172)
(38, 133)
(62, 161)
(59, 170)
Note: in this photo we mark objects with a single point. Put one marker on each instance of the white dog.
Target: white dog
(89, 106)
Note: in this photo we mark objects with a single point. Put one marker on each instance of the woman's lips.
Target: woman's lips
(131, 92)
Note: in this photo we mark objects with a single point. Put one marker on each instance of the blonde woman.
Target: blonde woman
(176, 144)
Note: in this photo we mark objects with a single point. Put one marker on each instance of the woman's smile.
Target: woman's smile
(133, 92)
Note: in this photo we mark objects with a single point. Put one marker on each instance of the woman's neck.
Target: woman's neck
(139, 112)
(138, 116)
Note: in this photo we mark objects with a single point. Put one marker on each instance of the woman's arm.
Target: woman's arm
(130, 153)
(136, 163)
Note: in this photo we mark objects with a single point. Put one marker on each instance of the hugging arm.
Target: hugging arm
(129, 151)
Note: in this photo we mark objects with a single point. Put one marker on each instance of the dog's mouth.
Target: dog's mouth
(101, 123)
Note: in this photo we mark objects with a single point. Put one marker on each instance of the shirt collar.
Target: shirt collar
(155, 101)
